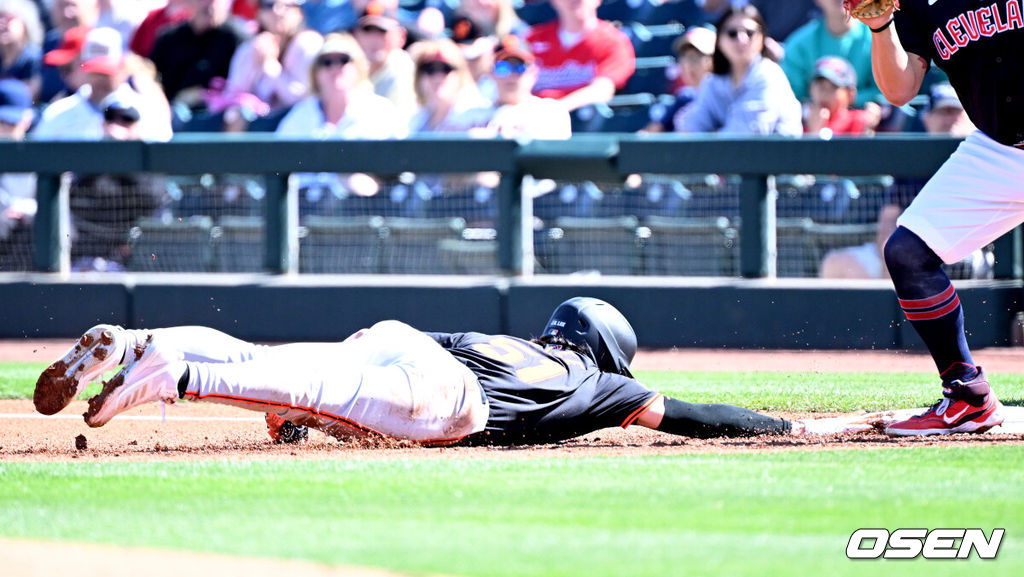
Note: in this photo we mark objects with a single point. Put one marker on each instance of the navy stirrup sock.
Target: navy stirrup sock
(930, 302)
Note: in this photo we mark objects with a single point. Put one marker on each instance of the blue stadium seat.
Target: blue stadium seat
(685, 12)
(653, 40)
(651, 76)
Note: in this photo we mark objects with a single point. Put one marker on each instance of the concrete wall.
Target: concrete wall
(729, 313)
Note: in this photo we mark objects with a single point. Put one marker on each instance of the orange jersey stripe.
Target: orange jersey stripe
(636, 414)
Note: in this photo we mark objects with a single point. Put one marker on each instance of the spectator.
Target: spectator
(65, 15)
(693, 61)
(65, 60)
(17, 190)
(581, 59)
(833, 91)
(105, 70)
(495, 18)
(831, 34)
(189, 56)
(104, 207)
(174, 12)
(944, 116)
(747, 93)
(273, 66)
(518, 113)
(449, 99)
(478, 50)
(781, 18)
(21, 36)
(392, 71)
(343, 106)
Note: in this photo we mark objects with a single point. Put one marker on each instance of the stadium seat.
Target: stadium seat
(239, 243)
(624, 11)
(605, 245)
(469, 256)
(176, 245)
(410, 245)
(340, 244)
(651, 76)
(685, 12)
(649, 41)
(690, 246)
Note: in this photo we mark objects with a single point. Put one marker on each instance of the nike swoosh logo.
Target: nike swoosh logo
(950, 420)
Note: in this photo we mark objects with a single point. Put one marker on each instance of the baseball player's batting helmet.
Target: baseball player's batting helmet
(594, 324)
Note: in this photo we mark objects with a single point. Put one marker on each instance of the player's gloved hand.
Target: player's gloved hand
(874, 13)
(840, 425)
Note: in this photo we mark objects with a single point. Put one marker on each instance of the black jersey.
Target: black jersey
(542, 394)
(980, 46)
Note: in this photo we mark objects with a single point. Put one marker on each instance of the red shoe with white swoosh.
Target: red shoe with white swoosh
(952, 414)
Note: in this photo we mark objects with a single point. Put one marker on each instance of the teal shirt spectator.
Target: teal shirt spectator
(762, 103)
(813, 40)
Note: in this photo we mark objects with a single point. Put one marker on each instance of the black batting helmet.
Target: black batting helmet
(596, 325)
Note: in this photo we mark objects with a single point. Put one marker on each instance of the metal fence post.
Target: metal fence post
(47, 225)
(281, 232)
(755, 233)
(514, 225)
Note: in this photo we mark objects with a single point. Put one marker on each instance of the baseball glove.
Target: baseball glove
(869, 8)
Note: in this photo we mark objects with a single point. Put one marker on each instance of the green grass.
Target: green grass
(781, 513)
(785, 513)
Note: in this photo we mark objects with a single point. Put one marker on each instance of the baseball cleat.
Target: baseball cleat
(953, 415)
(149, 374)
(282, 431)
(97, 351)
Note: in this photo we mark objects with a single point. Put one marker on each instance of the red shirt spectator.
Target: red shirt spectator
(155, 22)
(581, 59)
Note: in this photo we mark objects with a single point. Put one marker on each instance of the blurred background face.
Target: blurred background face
(70, 13)
(103, 84)
(514, 80)
(280, 17)
(826, 94)
(378, 43)
(576, 9)
(740, 40)
(12, 30)
(207, 14)
(336, 74)
(438, 82)
(693, 65)
(947, 120)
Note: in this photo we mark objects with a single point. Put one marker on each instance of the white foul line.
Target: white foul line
(133, 417)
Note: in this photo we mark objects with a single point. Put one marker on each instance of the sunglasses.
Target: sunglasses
(338, 60)
(118, 117)
(504, 68)
(734, 33)
(432, 68)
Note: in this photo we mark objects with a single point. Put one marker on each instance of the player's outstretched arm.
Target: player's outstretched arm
(704, 421)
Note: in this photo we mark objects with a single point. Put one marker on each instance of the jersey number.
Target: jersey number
(531, 367)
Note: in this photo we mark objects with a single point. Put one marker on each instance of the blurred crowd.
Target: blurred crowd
(387, 69)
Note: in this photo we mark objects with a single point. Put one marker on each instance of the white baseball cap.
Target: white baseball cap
(103, 51)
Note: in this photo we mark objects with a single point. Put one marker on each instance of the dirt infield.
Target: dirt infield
(186, 431)
(197, 431)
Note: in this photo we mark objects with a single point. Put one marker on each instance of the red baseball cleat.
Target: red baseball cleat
(952, 414)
